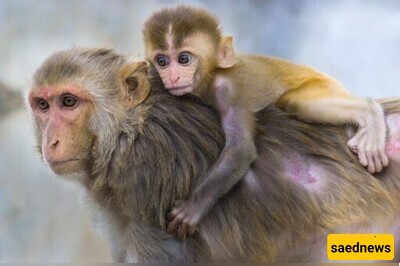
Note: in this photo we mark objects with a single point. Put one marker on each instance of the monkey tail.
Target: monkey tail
(390, 105)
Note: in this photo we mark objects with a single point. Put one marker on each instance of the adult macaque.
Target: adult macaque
(187, 49)
(136, 148)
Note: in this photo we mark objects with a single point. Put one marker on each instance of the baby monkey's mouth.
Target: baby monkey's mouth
(180, 90)
(179, 87)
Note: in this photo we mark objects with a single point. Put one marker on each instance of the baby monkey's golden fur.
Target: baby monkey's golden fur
(188, 50)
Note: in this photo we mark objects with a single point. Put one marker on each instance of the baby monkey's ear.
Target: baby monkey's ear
(226, 53)
(134, 82)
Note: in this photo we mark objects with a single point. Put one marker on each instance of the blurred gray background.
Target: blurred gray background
(42, 217)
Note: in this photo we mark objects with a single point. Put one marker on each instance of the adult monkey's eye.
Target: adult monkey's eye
(69, 101)
(162, 61)
(184, 58)
(42, 104)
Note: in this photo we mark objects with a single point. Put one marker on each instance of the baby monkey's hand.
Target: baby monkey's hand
(184, 218)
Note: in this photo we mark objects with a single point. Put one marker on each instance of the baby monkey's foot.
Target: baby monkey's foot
(183, 218)
(369, 145)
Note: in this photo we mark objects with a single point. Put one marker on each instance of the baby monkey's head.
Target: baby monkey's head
(185, 45)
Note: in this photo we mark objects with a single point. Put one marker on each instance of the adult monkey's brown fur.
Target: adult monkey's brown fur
(145, 153)
(187, 48)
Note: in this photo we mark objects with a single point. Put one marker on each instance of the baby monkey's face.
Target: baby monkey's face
(185, 65)
(177, 69)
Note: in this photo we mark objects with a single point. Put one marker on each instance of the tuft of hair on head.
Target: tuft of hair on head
(181, 22)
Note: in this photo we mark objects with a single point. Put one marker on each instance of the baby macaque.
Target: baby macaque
(191, 55)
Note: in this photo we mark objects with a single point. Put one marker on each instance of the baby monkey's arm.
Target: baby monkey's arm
(236, 157)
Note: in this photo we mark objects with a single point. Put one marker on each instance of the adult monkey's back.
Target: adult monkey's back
(136, 153)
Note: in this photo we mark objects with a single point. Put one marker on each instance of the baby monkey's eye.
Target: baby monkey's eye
(162, 61)
(184, 58)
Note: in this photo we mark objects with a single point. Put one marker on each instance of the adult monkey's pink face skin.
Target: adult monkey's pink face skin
(61, 114)
(67, 116)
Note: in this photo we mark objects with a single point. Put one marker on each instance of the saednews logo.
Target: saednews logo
(360, 247)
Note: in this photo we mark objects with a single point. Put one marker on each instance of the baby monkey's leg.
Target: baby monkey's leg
(325, 104)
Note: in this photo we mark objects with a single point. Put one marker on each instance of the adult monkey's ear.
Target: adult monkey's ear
(226, 53)
(135, 84)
